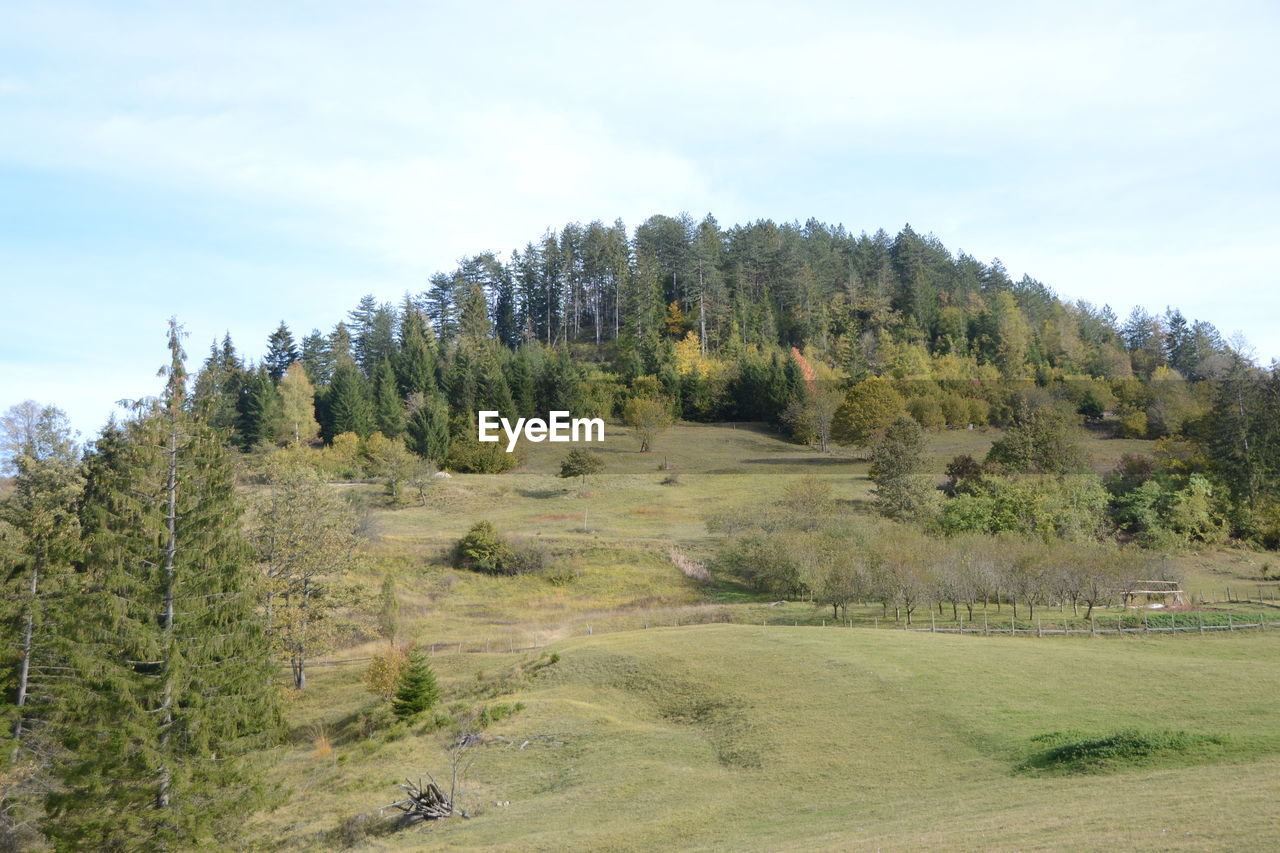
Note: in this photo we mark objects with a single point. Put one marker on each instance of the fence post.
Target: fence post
(1200, 621)
(875, 621)
(1230, 627)
(1013, 626)
(933, 623)
(1039, 629)
(1120, 624)
(985, 630)
(1144, 621)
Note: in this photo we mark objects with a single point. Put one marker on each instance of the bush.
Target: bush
(927, 412)
(484, 550)
(474, 457)
(384, 672)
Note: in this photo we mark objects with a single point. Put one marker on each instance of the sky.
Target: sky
(238, 164)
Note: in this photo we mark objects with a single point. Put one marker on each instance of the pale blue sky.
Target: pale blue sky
(236, 166)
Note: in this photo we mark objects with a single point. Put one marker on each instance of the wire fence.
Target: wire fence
(1125, 623)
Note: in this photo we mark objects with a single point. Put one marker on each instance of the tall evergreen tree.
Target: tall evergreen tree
(171, 683)
(415, 361)
(388, 408)
(317, 358)
(259, 409)
(281, 352)
(347, 404)
(427, 429)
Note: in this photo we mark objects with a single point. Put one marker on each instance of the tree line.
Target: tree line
(147, 603)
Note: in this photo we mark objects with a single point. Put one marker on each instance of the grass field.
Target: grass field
(739, 736)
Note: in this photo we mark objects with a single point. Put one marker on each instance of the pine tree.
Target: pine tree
(281, 352)
(171, 684)
(388, 408)
(418, 691)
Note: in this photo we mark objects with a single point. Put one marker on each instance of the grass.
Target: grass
(725, 734)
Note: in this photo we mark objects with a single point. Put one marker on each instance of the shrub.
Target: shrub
(926, 412)
(384, 672)
(474, 457)
(483, 550)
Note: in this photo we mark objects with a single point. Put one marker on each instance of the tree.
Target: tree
(427, 430)
(418, 691)
(390, 461)
(895, 464)
(281, 352)
(297, 422)
(43, 513)
(260, 410)
(868, 408)
(388, 408)
(303, 538)
(812, 414)
(581, 463)
(648, 418)
(169, 666)
(389, 609)
(1041, 440)
(347, 403)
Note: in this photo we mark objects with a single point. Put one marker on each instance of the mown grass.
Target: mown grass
(728, 734)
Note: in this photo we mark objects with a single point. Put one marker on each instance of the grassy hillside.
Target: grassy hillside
(737, 736)
(740, 737)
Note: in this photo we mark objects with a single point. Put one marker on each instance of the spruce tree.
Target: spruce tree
(260, 410)
(418, 691)
(171, 682)
(415, 362)
(347, 404)
(281, 352)
(427, 430)
(388, 408)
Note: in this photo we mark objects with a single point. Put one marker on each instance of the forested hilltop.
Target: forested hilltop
(789, 324)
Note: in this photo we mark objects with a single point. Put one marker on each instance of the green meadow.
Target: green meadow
(638, 710)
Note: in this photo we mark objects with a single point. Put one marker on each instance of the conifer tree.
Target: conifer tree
(415, 362)
(347, 404)
(388, 408)
(281, 352)
(427, 429)
(418, 691)
(260, 410)
(171, 683)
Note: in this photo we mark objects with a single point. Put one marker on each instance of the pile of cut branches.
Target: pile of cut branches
(424, 803)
